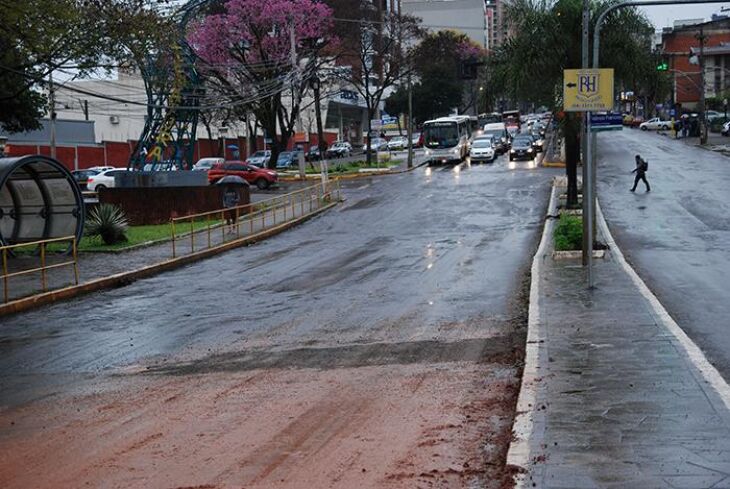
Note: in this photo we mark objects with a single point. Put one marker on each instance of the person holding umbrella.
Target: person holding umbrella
(231, 198)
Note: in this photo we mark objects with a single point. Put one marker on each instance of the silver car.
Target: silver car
(259, 158)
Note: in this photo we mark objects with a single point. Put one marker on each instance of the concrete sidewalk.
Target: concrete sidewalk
(95, 265)
(614, 395)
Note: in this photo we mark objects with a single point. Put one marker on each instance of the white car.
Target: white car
(101, 168)
(259, 158)
(397, 143)
(655, 124)
(103, 180)
(482, 149)
(205, 164)
(726, 129)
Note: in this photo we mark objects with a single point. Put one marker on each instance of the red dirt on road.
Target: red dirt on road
(435, 425)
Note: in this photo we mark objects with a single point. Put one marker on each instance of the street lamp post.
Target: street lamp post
(596, 54)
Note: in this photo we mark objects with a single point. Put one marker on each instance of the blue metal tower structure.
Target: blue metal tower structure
(174, 89)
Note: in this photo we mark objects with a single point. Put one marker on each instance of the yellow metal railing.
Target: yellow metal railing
(43, 269)
(247, 216)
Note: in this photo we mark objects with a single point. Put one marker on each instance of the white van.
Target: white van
(498, 130)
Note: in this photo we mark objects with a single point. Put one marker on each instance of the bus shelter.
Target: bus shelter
(39, 199)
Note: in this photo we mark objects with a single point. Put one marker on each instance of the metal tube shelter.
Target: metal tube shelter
(39, 199)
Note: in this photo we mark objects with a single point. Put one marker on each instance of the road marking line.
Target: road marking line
(698, 359)
(524, 425)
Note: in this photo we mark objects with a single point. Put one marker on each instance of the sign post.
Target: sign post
(588, 90)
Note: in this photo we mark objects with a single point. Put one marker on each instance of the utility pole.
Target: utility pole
(410, 121)
(320, 130)
(586, 153)
(703, 123)
(52, 100)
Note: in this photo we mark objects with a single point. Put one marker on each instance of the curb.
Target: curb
(126, 278)
(528, 419)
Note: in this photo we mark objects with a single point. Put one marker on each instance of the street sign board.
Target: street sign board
(588, 90)
(606, 122)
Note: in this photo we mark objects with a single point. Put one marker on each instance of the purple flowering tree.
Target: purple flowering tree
(261, 56)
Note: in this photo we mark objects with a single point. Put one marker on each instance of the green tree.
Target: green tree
(439, 85)
(529, 66)
(40, 37)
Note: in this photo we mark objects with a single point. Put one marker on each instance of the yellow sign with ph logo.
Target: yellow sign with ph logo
(588, 90)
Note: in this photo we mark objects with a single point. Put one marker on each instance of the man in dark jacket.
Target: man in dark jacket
(640, 170)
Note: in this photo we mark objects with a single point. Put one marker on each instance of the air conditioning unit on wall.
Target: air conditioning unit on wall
(114, 119)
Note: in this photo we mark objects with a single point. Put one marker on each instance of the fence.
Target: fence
(42, 249)
(207, 229)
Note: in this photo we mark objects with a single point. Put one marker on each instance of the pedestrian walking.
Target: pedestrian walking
(677, 128)
(641, 167)
(230, 201)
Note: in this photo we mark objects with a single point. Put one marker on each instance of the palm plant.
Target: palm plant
(109, 222)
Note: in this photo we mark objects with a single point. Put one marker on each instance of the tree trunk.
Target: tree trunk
(320, 130)
(368, 156)
(572, 154)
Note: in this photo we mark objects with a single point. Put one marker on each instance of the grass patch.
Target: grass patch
(353, 166)
(568, 234)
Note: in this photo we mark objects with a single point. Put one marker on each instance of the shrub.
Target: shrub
(109, 222)
(569, 233)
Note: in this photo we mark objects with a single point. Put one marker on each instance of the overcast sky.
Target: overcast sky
(664, 16)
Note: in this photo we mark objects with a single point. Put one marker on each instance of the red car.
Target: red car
(260, 177)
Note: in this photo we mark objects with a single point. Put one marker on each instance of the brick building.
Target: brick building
(681, 46)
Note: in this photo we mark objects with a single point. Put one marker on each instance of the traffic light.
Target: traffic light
(663, 66)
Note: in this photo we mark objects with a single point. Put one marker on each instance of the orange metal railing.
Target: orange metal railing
(44, 266)
(249, 218)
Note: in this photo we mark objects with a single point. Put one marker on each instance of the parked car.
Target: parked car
(483, 149)
(636, 121)
(205, 164)
(259, 158)
(340, 149)
(261, 177)
(713, 114)
(102, 180)
(655, 124)
(287, 159)
(398, 143)
(522, 148)
(377, 145)
(726, 129)
(160, 166)
(313, 154)
(101, 168)
(82, 177)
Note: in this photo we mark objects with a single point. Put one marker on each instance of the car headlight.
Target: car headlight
(504, 140)
(529, 150)
(427, 152)
(456, 151)
(512, 151)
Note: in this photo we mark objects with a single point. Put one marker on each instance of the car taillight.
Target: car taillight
(91, 179)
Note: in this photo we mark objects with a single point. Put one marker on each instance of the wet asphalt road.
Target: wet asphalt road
(402, 257)
(677, 235)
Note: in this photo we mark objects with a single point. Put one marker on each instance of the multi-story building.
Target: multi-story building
(467, 16)
(497, 27)
(681, 48)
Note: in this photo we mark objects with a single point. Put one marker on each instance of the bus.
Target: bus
(511, 118)
(446, 139)
(489, 118)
